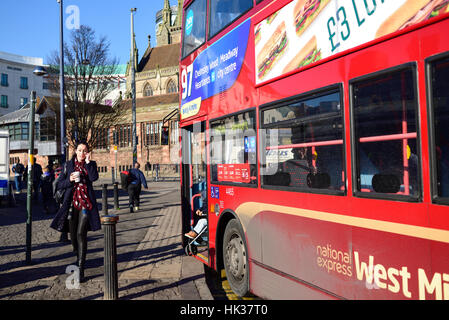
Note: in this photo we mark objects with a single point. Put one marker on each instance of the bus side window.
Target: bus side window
(303, 143)
(233, 149)
(440, 111)
(386, 134)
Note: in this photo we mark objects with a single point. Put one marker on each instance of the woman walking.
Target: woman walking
(78, 213)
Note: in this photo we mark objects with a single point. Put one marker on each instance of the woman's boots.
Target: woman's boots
(78, 223)
(73, 227)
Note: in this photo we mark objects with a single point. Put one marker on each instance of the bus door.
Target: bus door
(4, 163)
(194, 189)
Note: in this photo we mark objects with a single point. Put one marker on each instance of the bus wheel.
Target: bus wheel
(235, 258)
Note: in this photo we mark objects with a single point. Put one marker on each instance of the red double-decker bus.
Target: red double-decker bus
(315, 141)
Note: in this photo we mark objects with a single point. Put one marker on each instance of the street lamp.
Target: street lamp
(61, 82)
(39, 71)
(133, 88)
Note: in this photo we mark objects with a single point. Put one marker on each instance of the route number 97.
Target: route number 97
(186, 81)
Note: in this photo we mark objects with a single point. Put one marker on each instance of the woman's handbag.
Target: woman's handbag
(58, 194)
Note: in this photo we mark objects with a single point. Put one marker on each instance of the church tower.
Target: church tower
(178, 21)
(169, 31)
(166, 13)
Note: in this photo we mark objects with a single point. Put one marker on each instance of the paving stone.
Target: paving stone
(150, 258)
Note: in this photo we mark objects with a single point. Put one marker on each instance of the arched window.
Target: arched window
(172, 87)
(148, 90)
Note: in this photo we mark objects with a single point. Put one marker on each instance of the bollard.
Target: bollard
(104, 202)
(113, 175)
(116, 206)
(11, 197)
(110, 257)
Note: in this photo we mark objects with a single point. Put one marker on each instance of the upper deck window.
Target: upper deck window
(194, 26)
(224, 12)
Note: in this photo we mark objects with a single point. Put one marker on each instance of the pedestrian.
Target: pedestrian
(57, 169)
(201, 219)
(147, 167)
(51, 167)
(157, 171)
(135, 187)
(201, 223)
(18, 169)
(47, 179)
(79, 212)
(37, 172)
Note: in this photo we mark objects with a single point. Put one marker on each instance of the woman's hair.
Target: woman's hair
(84, 142)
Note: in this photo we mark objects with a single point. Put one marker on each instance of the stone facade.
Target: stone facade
(148, 110)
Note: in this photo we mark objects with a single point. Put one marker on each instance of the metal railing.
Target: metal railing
(155, 172)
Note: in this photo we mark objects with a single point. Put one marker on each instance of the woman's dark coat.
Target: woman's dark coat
(60, 221)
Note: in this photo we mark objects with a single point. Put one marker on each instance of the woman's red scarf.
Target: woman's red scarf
(80, 196)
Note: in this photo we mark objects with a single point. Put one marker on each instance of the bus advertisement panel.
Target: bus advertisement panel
(216, 69)
(306, 31)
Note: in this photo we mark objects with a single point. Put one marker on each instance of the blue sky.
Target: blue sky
(31, 27)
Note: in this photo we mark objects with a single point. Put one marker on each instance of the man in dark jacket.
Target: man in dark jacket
(135, 187)
(58, 169)
(47, 179)
(37, 173)
(18, 169)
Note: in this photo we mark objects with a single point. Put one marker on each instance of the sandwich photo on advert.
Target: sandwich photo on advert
(257, 33)
(271, 18)
(273, 49)
(305, 12)
(412, 12)
(307, 55)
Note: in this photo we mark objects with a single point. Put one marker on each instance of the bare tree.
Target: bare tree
(88, 65)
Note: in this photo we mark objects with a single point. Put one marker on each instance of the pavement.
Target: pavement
(151, 263)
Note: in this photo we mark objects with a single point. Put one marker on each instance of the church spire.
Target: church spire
(166, 13)
(178, 21)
